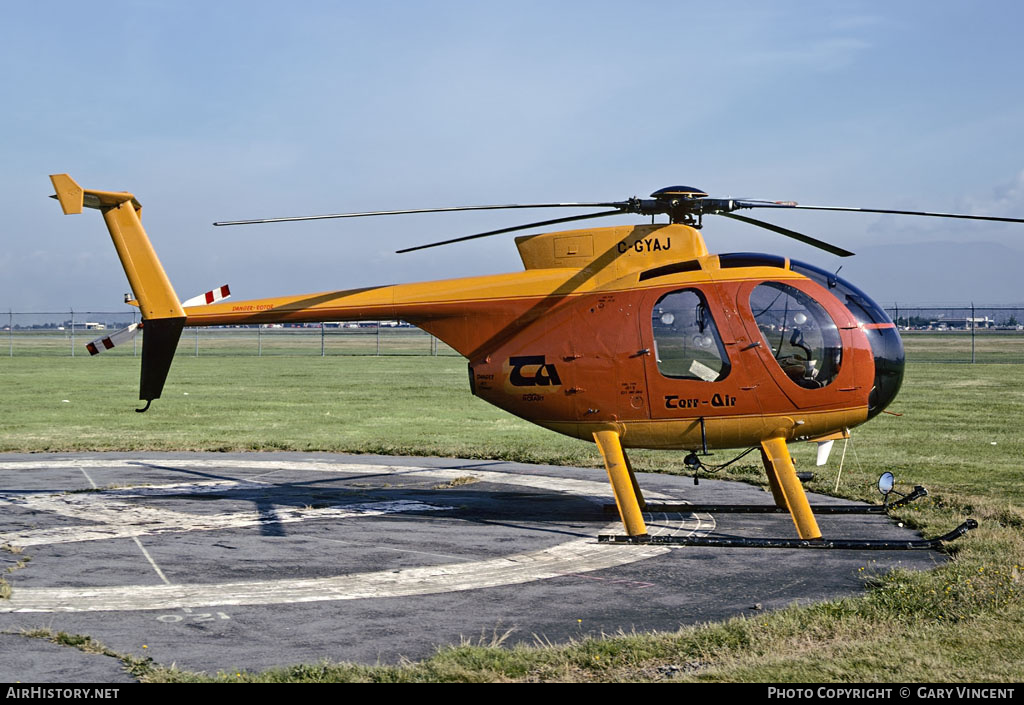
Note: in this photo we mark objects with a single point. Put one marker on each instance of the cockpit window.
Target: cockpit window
(802, 337)
(861, 306)
(886, 345)
(750, 259)
(686, 341)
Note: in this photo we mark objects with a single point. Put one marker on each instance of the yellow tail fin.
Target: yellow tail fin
(162, 314)
(122, 213)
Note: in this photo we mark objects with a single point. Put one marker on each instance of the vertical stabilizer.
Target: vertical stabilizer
(162, 314)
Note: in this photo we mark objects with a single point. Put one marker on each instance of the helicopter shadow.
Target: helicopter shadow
(481, 503)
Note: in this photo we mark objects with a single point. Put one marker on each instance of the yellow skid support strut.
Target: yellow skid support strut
(786, 487)
(632, 479)
(623, 481)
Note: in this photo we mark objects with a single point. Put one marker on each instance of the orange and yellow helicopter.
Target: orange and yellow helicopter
(630, 337)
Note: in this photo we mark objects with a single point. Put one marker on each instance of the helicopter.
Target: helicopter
(630, 336)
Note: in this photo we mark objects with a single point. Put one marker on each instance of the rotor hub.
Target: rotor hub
(674, 193)
(682, 204)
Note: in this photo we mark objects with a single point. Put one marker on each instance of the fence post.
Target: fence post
(259, 340)
(72, 332)
(321, 339)
(135, 340)
(197, 341)
(10, 330)
(972, 333)
(378, 337)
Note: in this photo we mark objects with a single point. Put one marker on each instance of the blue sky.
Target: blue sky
(213, 111)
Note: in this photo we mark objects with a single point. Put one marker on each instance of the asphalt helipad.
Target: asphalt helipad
(248, 561)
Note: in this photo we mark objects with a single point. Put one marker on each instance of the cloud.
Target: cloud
(820, 56)
(1006, 199)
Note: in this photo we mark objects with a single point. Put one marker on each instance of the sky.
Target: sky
(226, 110)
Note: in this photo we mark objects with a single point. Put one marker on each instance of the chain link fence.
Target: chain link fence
(930, 333)
(961, 333)
(67, 333)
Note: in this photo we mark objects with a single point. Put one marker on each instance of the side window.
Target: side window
(686, 341)
(801, 336)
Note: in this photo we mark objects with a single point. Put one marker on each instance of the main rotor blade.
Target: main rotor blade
(790, 204)
(420, 210)
(513, 229)
(820, 244)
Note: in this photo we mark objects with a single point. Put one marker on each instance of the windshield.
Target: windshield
(802, 337)
(886, 345)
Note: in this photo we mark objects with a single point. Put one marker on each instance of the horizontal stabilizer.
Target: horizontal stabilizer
(122, 213)
(73, 197)
(114, 339)
(210, 297)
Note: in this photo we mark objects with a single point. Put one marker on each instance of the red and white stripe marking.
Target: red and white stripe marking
(210, 297)
(109, 341)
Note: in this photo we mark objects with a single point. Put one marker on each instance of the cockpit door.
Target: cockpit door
(693, 367)
(797, 339)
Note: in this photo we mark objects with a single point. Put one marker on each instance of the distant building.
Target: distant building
(963, 323)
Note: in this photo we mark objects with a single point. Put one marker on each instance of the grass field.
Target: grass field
(203, 342)
(985, 346)
(922, 346)
(959, 435)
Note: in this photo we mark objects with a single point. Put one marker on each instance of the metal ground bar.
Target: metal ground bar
(739, 542)
(917, 493)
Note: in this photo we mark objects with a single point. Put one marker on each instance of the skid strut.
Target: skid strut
(628, 499)
(786, 487)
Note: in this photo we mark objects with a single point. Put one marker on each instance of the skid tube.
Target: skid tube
(739, 542)
(917, 493)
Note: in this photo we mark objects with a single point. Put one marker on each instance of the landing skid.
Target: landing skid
(852, 544)
(772, 509)
(787, 492)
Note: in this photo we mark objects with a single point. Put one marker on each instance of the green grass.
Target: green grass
(405, 405)
(958, 435)
(204, 342)
(987, 346)
(142, 668)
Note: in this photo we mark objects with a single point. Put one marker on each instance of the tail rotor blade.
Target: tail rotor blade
(106, 342)
(210, 297)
